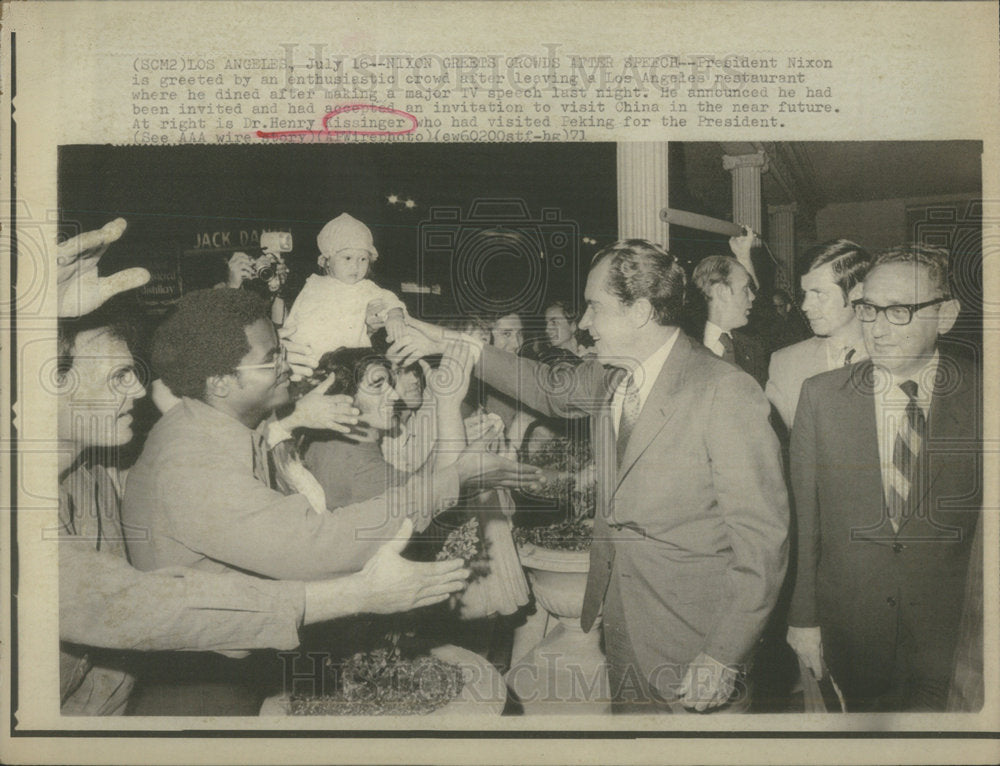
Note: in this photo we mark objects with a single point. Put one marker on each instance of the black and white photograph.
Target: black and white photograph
(424, 429)
(454, 382)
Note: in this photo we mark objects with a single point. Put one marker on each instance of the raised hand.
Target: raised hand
(741, 247)
(480, 469)
(394, 584)
(317, 410)
(240, 269)
(301, 358)
(81, 290)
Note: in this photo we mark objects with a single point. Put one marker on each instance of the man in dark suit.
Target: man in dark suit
(884, 464)
(689, 546)
(728, 291)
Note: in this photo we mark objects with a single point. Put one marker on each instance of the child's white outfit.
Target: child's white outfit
(329, 313)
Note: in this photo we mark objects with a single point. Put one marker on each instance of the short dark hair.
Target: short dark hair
(936, 260)
(713, 270)
(348, 365)
(564, 307)
(848, 260)
(205, 336)
(640, 269)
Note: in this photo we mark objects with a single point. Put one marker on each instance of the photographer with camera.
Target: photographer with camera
(265, 272)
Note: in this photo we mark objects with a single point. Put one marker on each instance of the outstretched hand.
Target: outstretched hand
(318, 410)
(301, 358)
(480, 469)
(394, 584)
(81, 290)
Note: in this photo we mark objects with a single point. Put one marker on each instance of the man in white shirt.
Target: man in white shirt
(885, 466)
(836, 270)
(728, 291)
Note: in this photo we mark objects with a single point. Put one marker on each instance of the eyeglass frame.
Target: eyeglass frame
(912, 308)
(279, 362)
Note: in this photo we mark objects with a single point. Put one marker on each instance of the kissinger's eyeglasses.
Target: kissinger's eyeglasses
(897, 313)
(277, 365)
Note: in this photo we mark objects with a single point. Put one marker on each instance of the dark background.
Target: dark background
(171, 195)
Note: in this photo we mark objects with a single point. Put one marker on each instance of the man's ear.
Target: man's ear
(948, 315)
(218, 386)
(640, 312)
(718, 292)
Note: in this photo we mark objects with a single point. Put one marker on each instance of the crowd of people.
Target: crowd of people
(299, 450)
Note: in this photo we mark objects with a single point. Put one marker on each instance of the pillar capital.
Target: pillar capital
(733, 162)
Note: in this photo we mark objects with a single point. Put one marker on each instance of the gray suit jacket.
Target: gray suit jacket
(788, 371)
(791, 367)
(693, 524)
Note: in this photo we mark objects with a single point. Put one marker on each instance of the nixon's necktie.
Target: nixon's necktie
(630, 414)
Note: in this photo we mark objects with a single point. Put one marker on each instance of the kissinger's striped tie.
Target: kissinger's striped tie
(910, 438)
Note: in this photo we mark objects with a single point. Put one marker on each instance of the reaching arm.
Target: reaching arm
(104, 602)
(243, 523)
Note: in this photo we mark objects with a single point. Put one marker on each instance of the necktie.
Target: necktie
(630, 414)
(910, 437)
(727, 347)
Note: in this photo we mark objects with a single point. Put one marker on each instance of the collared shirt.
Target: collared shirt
(837, 353)
(890, 409)
(644, 375)
(712, 334)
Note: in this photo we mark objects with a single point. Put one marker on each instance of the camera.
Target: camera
(498, 259)
(264, 269)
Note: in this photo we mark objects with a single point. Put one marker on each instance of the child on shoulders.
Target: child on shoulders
(337, 308)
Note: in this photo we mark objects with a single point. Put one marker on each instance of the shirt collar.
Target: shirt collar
(647, 371)
(713, 332)
(925, 377)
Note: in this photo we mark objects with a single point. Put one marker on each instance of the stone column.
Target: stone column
(781, 233)
(746, 170)
(642, 191)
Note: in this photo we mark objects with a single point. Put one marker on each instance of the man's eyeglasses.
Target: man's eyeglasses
(898, 313)
(280, 356)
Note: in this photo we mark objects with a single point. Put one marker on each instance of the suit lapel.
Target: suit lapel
(660, 405)
(857, 418)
